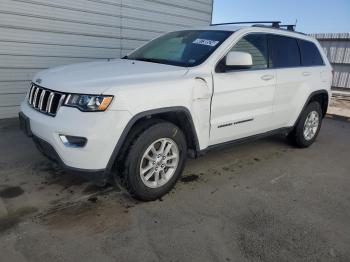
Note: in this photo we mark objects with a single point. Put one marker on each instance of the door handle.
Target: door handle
(306, 73)
(267, 77)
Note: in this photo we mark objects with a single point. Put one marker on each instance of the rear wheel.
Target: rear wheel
(155, 161)
(308, 126)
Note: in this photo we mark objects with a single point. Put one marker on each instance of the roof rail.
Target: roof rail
(281, 27)
(275, 24)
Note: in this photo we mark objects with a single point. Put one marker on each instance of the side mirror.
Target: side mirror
(239, 59)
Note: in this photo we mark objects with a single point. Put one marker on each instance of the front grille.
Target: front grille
(44, 100)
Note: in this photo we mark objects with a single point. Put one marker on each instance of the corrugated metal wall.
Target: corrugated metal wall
(37, 34)
(337, 48)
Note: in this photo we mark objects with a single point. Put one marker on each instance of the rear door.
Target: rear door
(242, 103)
(300, 70)
(290, 80)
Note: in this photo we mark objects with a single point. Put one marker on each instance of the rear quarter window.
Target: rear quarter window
(310, 55)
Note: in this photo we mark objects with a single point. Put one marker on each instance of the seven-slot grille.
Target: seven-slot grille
(44, 100)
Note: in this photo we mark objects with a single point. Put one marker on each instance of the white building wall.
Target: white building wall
(337, 49)
(38, 34)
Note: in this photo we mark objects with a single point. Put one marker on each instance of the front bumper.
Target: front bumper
(100, 177)
(102, 130)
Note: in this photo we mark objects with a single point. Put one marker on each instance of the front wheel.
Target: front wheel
(308, 126)
(155, 161)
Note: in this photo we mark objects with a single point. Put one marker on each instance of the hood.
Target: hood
(96, 77)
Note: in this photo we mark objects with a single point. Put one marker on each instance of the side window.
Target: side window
(310, 56)
(256, 45)
(284, 51)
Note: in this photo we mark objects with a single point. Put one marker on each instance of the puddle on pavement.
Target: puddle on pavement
(11, 192)
(189, 178)
(57, 176)
(93, 199)
(93, 189)
(13, 218)
(93, 215)
(67, 180)
(47, 167)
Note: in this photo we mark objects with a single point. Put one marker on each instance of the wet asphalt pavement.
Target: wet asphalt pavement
(262, 201)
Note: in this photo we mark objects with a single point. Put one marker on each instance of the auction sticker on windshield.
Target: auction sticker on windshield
(200, 41)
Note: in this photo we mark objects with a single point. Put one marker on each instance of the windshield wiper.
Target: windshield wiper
(158, 61)
(153, 60)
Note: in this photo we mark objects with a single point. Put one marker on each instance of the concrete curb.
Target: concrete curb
(338, 117)
(344, 94)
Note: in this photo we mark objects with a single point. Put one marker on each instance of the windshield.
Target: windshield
(183, 48)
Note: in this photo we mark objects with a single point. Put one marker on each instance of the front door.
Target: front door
(242, 103)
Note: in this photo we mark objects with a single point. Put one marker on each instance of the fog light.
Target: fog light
(73, 141)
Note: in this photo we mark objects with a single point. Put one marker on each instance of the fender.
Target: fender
(322, 91)
(143, 114)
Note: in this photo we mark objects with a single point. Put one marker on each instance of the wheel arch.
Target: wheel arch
(320, 96)
(178, 115)
(323, 98)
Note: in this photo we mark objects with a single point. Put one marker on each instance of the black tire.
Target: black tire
(131, 173)
(297, 135)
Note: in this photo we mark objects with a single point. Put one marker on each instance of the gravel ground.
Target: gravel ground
(262, 201)
(340, 106)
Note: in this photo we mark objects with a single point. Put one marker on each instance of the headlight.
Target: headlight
(89, 103)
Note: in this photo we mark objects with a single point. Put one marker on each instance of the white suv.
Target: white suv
(138, 118)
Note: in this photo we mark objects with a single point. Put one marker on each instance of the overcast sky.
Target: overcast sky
(314, 16)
